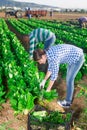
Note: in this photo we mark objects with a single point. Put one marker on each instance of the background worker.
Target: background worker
(29, 14)
(82, 22)
(56, 55)
(51, 13)
(39, 35)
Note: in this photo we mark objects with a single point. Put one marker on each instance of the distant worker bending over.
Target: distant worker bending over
(82, 22)
(39, 35)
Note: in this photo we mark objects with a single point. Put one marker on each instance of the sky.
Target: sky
(82, 4)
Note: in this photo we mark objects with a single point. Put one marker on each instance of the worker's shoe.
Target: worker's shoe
(64, 104)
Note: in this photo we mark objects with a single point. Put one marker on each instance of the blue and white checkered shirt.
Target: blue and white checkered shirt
(59, 54)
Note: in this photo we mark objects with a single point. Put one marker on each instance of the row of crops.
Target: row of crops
(19, 76)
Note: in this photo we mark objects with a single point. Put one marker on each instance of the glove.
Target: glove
(30, 58)
(48, 90)
(42, 84)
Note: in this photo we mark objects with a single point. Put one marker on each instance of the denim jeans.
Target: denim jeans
(72, 71)
(49, 42)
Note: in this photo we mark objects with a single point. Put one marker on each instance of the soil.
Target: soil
(56, 16)
(8, 121)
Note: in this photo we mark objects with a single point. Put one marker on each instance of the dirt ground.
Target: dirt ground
(56, 16)
(63, 16)
(10, 122)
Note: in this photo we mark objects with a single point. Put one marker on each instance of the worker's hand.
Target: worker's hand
(48, 89)
(42, 84)
(30, 58)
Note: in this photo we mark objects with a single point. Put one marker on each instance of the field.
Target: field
(57, 16)
(68, 25)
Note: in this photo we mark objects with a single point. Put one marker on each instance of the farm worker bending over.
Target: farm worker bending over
(56, 55)
(39, 35)
(82, 22)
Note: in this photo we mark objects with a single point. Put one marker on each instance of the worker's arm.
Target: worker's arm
(50, 85)
(45, 79)
(53, 74)
(48, 75)
(51, 82)
(32, 47)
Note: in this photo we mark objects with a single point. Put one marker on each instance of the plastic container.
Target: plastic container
(35, 123)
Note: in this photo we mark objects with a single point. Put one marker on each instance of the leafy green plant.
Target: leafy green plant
(51, 117)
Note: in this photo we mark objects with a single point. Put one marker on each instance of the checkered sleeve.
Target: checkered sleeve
(54, 68)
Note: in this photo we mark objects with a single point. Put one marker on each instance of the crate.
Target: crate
(36, 124)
